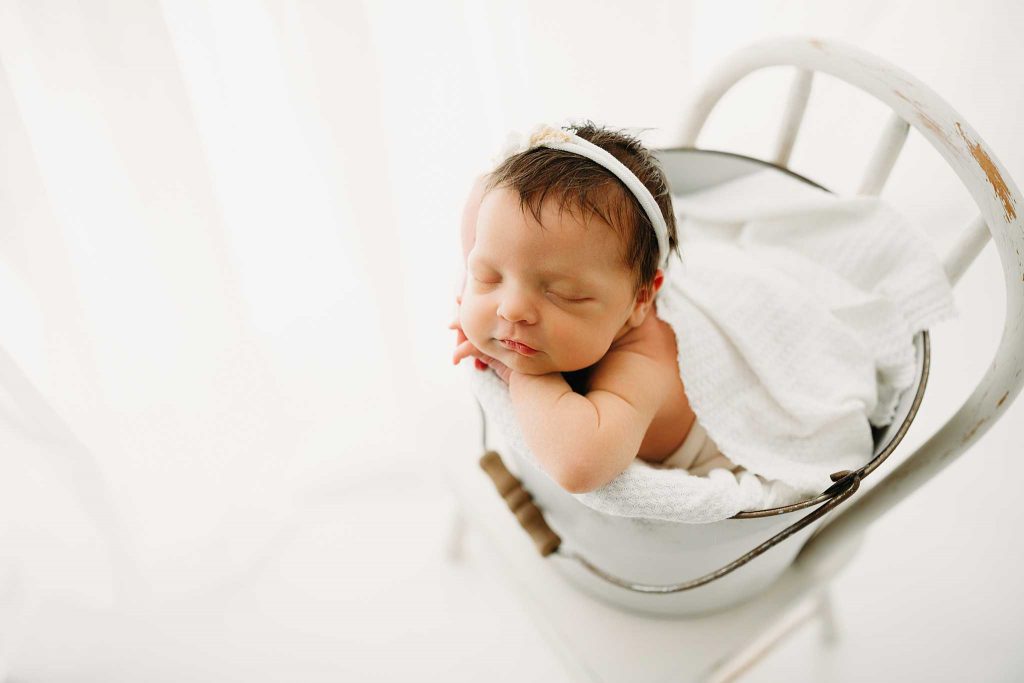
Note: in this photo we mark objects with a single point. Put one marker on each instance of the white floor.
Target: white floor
(345, 595)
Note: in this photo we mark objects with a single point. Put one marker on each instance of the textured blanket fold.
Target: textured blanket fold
(794, 312)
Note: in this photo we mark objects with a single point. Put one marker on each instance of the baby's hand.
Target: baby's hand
(465, 349)
(500, 369)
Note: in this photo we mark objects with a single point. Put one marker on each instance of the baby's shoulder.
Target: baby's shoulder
(645, 358)
(654, 338)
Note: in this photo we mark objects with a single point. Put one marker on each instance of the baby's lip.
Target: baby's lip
(518, 346)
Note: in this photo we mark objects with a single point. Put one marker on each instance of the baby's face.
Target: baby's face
(561, 289)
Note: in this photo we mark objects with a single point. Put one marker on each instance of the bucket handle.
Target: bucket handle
(520, 502)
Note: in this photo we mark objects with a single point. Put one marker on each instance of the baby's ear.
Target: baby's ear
(659, 279)
(647, 292)
(644, 299)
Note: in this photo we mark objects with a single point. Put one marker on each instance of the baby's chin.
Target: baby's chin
(537, 365)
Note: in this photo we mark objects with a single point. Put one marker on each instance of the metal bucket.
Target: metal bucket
(674, 568)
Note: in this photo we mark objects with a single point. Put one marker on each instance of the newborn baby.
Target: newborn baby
(563, 263)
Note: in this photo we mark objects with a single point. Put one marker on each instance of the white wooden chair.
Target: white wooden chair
(600, 642)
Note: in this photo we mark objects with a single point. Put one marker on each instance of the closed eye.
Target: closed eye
(576, 300)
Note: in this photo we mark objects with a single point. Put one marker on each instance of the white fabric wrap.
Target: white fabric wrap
(794, 312)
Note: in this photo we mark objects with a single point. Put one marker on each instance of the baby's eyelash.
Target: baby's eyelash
(570, 300)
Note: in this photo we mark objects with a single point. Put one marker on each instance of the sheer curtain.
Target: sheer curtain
(229, 247)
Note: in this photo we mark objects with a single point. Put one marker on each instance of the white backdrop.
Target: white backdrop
(229, 248)
(228, 239)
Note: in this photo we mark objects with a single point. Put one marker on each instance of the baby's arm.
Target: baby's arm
(583, 442)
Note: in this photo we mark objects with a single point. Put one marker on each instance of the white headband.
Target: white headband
(556, 138)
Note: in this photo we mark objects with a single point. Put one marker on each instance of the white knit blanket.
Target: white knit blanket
(794, 312)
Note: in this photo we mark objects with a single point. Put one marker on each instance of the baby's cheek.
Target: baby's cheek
(471, 320)
(588, 349)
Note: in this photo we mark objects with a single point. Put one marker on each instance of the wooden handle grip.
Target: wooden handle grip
(520, 502)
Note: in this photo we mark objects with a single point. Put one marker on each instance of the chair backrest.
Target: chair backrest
(915, 105)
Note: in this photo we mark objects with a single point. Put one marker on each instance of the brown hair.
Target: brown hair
(584, 185)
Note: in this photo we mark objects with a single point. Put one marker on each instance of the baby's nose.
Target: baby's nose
(517, 308)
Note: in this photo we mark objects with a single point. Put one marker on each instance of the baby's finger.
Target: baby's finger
(500, 369)
(463, 350)
(456, 325)
(460, 335)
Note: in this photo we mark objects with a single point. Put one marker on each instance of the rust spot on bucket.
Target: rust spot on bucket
(1002, 399)
(816, 43)
(995, 179)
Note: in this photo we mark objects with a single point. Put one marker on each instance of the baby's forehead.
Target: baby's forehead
(559, 226)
